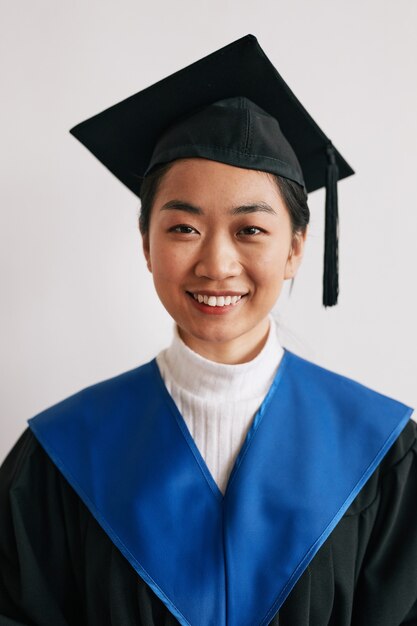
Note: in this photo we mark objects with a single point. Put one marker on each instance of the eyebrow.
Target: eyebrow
(180, 205)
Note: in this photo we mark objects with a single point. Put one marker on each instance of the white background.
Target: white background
(77, 303)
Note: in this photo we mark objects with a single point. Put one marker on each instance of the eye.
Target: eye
(251, 230)
(183, 229)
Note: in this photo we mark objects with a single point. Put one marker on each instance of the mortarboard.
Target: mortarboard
(231, 106)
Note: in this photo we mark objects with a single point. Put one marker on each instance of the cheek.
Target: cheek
(269, 265)
(168, 264)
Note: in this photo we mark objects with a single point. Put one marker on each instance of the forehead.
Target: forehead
(214, 181)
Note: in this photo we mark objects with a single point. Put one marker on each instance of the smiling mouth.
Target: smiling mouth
(216, 301)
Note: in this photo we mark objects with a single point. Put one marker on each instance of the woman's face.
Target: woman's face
(223, 234)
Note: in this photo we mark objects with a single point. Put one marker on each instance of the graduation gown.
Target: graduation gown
(109, 515)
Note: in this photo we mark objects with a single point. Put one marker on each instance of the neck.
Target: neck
(239, 350)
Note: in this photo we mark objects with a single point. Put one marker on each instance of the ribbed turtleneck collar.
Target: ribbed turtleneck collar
(203, 377)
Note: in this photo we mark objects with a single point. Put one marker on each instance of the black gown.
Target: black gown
(59, 568)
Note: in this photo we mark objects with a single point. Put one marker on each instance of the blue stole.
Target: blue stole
(217, 560)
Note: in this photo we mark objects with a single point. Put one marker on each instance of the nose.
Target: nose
(218, 259)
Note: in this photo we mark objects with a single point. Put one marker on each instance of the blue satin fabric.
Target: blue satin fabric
(221, 561)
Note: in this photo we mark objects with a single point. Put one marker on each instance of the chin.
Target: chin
(217, 334)
(213, 336)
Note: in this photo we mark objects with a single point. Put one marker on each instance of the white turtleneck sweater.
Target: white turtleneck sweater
(218, 401)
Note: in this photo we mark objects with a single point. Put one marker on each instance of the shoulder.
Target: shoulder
(358, 408)
(16, 459)
(103, 396)
(27, 472)
(104, 393)
(337, 390)
(396, 475)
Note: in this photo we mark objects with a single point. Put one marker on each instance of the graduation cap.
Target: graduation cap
(230, 106)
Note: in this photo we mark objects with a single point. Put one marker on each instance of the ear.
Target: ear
(146, 250)
(296, 254)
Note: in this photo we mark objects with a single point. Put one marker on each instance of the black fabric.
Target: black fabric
(123, 137)
(331, 235)
(234, 131)
(59, 568)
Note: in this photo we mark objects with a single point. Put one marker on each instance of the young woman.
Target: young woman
(227, 482)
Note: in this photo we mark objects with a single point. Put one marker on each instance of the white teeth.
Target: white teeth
(216, 300)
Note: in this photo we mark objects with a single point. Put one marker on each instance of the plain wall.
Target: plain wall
(77, 302)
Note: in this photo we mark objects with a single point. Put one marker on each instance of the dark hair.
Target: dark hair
(292, 193)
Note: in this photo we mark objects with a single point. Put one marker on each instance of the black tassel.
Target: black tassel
(331, 234)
